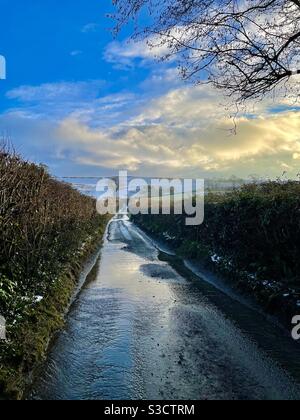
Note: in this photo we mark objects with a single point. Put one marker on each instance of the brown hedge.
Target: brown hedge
(43, 222)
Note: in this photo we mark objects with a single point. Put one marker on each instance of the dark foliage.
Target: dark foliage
(255, 229)
(43, 223)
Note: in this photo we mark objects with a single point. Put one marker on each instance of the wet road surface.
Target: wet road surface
(140, 329)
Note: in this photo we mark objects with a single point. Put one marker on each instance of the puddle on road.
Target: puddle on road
(144, 327)
(160, 272)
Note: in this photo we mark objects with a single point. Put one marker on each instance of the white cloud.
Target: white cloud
(58, 100)
(124, 54)
(76, 53)
(57, 91)
(90, 27)
(183, 132)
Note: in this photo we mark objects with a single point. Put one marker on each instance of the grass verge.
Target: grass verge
(23, 355)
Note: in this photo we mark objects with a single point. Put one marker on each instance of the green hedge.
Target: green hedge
(255, 229)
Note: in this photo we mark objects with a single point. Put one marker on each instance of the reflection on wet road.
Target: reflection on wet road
(141, 330)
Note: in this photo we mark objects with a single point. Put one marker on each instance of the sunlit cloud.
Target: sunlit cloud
(177, 141)
(183, 132)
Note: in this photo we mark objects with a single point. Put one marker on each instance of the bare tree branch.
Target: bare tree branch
(249, 49)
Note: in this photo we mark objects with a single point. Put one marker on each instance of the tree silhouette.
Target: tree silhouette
(247, 48)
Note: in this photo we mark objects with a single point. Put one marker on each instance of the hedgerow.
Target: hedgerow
(254, 229)
(42, 224)
(47, 228)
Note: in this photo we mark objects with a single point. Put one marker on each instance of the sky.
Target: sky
(87, 104)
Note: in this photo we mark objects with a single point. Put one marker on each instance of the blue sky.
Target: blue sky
(86, 104)
(53, 41)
